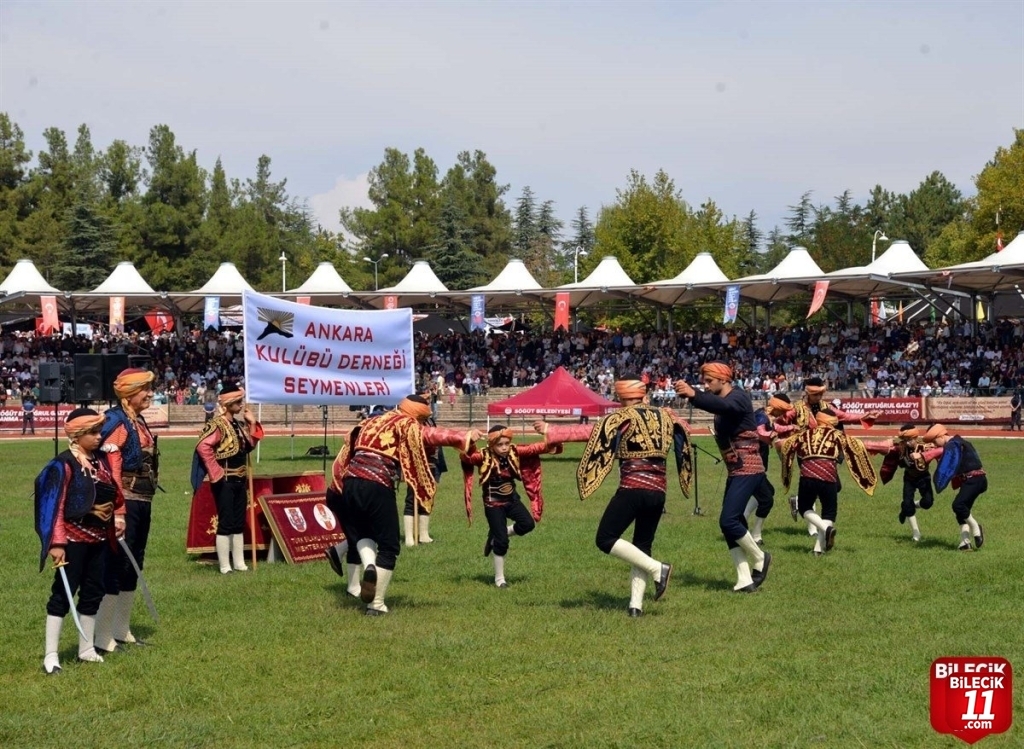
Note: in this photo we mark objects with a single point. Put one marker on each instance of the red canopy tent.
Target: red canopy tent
(559, 394)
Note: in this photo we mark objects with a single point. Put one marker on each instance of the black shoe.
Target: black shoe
(903, 518)
(57, 669)
(965, 547)
(124, 643)
(980, 538)
(118, 648)
(635, 613)
(818, 553)
(374, 612)
(368, 587)
(830, 537)
(760, 542)
(759, 576)
(502, 585)
(662, 584)
(335, 561)
(752, 588)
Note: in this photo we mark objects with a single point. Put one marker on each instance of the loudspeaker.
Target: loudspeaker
(113, 365)
(89, 379)
(67, 383)
(49, 382)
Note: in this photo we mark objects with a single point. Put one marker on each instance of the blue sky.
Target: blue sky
(749, 103)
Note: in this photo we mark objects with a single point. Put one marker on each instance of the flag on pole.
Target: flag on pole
(732, 303)
(302, 300)
(476, 313)
(51, 323)
(899, 314)
(999, 241)
(562, 310)
(979, 312)
(211, 313)
(391, 301)
(117, 314)
(820, 292)
(160, 322)
(875, 319)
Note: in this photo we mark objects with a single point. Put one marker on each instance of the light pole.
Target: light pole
(879, 234)
(283, 259)
(576, 263)
(375, 264)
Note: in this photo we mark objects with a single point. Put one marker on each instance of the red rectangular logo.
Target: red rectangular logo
(971, 697)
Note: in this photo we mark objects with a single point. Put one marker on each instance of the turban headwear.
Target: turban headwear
(718, 370)
(496, 434)
(415, 407)
(630, 389)
(81, 421)
(935, 431)
(132, 381)
(230, 394)
(779, 405)
(909, 432)
(826, 417)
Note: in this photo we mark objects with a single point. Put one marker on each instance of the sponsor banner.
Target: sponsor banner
(11, 416)
(117, 314)
(969, 409)
(971, 697)
(303, 525)
(732, 304)
(211, 313)
(476, 314)
(891, 410)
(300, 354)
(552, 410)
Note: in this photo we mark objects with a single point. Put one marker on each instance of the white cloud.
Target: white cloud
(346, 193)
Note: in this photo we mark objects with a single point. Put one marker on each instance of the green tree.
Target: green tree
(524, 225)
(14, 203)
(800, 221)
(473, 182)
(1000, 192)
(927, 210)
(455, 265)
(85, 260)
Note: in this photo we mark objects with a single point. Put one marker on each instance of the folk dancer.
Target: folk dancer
(416, 518)
(134, 463)
(736, 436)
(500, 464)
(814, 396)
(818, 450)
(959, 465)
(899, 453)
(223, 454)
(640, 437)
(761, 504)
(365, 474)
(79, 512)
(782, 415)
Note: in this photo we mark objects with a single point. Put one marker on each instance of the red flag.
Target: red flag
(562, 310)
(391, 302)
(876, 317)
(50, 321)
(999, 241)
(302, 300)
(820, 292)
(160, 322)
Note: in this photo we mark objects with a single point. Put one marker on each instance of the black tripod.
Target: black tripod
(323, 411)
(696, 499)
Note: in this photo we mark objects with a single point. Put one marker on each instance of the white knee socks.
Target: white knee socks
(86, 649)
(224, 554)
(499, 570)
(637, 587)
(739, 558)
(238, 553)
(627, 552)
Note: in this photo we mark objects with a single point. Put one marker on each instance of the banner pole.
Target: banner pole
(252, 508)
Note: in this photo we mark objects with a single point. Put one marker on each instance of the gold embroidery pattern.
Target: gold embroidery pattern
(229, 444)
(398, 437)
(490, 464)
(828, 443)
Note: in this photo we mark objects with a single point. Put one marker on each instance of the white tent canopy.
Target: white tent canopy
(681, 288)
(324, 280)
(25, 278)
(227, 283)
(124, 281)
(1000, 271)
(874, 279)
(419, 287)
(794, 274)
(506, 289)
(608, 279)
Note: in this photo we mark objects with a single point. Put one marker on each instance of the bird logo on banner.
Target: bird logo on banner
(278, 322)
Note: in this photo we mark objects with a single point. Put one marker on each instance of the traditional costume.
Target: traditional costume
(959, 465)
(903, 452)
(416, 518)
(736, 435)
(365, 475)
(76, 506)
(818, 451)
(498, 475)
(640, 437)
(223, 454)
(134, 462)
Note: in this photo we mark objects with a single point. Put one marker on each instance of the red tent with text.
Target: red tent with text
(559, 394)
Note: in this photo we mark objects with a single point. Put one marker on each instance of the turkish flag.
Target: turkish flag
(390, 302)
(160, 322)
(50, 321)
(999, 242)
(302, 300)
(562, 310)
(820, 292)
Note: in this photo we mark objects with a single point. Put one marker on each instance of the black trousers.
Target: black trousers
(231, 496)
(765, 496)
(970, 490)
(641, 507)
(367, 510)
(86, 563)
(911, 487)
(497, 522)
(334, 502)
(811, 490)
(120, 574)
(731, 521)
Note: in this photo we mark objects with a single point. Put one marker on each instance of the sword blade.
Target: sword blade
(142, 581)
(71, 601)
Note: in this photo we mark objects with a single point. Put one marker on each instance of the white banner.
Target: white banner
(296, 353)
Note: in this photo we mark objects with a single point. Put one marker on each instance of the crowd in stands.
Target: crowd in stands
(892, 360)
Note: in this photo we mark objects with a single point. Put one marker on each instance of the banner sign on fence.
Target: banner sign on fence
(891, 410)
(300, 354)
(12, 417)
(971, 409)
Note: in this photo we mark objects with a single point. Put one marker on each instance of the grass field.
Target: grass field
(833, 652)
